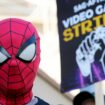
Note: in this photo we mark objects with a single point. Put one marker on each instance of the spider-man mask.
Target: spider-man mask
(19, 61)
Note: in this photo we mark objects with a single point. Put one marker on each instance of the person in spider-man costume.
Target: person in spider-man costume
(19, 62)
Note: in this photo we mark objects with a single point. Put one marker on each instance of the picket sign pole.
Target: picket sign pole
(99, 97)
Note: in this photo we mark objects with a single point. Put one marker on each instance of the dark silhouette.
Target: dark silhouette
(84, 98)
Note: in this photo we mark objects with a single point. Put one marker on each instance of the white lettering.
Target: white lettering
(89, 13)
(66, 23)
(78, 18)
(84, 5)
(80, 7)
(82, 16)
(100, 9)
(91, 3)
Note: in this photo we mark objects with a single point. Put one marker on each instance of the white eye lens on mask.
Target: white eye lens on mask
(28, 53)
(3, 55)
(2, 58)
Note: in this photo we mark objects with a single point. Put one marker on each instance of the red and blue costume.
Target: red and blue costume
(19, 61)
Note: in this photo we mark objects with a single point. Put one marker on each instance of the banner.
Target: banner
(81, 25)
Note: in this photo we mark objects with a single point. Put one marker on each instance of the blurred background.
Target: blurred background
(42, 13)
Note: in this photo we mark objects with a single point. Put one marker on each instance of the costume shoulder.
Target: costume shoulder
(41, 102)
